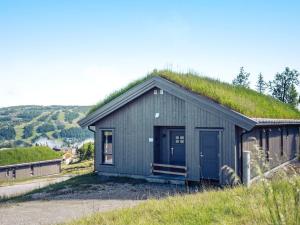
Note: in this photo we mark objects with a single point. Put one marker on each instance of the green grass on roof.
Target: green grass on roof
(242, 100)
(25, 155)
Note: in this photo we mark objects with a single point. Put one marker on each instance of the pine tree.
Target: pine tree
(283, 87)
(292, 97)
(261, 84)
(242, 79)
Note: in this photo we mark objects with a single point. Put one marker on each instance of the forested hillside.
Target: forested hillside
(26, 125)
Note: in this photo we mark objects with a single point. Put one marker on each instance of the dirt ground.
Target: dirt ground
(67, 204)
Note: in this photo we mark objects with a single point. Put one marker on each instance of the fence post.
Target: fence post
(246, 168)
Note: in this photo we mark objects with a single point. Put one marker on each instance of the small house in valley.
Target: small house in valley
(175, 126)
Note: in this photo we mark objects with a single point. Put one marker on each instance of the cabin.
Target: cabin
(169, 127)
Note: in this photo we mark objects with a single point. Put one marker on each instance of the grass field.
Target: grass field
(239, 205)
(24, 155)
(243, 100)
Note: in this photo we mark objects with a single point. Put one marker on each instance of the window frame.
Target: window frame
(102, 149)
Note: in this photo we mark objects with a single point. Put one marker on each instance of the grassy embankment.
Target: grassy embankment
(25, 155)
(243, 100)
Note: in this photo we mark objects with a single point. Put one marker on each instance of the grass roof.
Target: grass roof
(240, 99)
(26, 155)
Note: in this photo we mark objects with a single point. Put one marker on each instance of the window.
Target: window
(267, 145)
(281, 141)
(107, 147)
(7, 172)
(179, 139)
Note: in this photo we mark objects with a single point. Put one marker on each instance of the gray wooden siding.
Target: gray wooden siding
(290, 144)
(134, 125)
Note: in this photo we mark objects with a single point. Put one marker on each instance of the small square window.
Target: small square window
(161, 92)
(155, 92)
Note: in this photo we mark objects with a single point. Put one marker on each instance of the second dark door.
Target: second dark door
(209, 150)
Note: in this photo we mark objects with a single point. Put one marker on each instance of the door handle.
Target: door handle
(172, 151)
(201, 155)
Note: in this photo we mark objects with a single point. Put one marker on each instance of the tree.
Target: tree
(242, 79)
(28, 131)
(292, 98)
(86, 152)
(283, 87)
(261, 84)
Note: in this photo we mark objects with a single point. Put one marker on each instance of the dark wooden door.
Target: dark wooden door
(209, 151)
(177, 147)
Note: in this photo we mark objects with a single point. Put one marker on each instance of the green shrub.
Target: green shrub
(86, 152)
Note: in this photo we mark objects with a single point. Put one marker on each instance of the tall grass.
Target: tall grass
(281, 193)
(238, 205)
(24, 155)
(242, 100)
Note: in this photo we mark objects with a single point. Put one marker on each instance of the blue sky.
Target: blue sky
(77, 52)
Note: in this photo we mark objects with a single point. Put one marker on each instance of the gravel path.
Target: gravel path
(56, 211)
(68, 203)
(22, 188)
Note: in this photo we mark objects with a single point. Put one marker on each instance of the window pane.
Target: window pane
(108, 159)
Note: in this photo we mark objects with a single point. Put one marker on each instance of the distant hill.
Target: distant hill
(27, 125)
